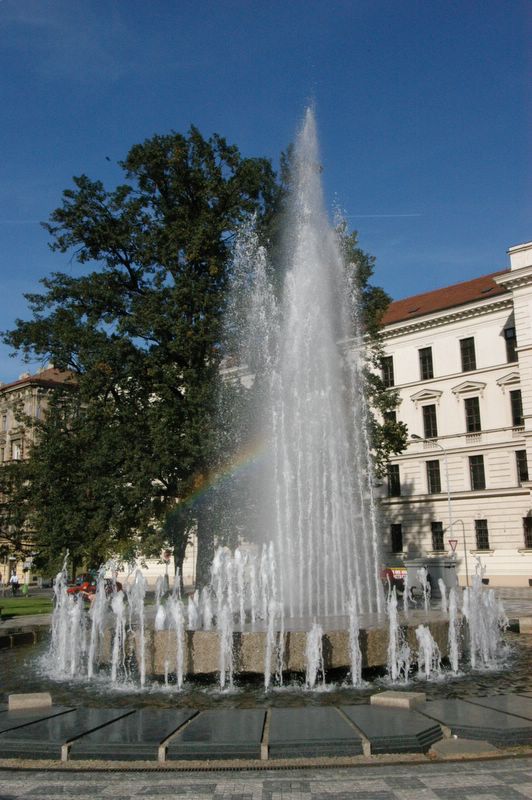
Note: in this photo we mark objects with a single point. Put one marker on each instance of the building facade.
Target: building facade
(22, 401)
(460, 359)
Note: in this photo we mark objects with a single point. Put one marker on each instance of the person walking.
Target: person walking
(14, 584)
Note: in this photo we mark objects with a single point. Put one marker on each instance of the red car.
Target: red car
(86, 586)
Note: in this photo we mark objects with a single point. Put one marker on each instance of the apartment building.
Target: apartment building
(460, 359)
(21, 401)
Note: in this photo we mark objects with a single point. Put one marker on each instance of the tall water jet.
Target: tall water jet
(307, 353)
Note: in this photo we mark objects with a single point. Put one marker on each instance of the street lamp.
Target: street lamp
(446, 466)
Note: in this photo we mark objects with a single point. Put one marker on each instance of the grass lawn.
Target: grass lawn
(17, 606)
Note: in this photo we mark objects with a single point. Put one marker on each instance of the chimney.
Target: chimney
(520, 255)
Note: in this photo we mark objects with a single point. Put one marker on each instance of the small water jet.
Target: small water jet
(314, 657)
(428, 657)
(399, 653)
(454, 632)
(354, 644)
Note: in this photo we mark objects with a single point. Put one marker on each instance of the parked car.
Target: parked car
(86, 587)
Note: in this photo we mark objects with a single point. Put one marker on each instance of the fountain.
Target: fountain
(306, 351)
(302, 591)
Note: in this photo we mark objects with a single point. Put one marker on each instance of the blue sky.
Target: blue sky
(423, 107)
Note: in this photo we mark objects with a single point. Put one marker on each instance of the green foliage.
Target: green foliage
(139, 327)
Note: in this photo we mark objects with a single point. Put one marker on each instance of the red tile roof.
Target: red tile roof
(48, 377)
(440, 299)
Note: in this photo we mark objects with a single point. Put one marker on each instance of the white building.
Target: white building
(461, 360)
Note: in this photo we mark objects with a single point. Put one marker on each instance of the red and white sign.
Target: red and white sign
(453, 543)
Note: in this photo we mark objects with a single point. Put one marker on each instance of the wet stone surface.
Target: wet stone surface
(508, 703)
(311, 732)
(44, 738)
(224, 733)
(136, 736)
(12, 720)
(473, 721)
(394, 730)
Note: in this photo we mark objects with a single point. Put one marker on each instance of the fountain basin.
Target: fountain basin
(202, 648)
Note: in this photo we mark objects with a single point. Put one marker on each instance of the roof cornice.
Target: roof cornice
(445, 317)
(516, 278)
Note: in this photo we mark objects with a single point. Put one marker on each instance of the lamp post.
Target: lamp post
(446, 467)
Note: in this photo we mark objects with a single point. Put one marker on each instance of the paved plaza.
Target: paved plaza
(506, 779)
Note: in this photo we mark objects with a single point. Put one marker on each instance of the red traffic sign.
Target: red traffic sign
(453, 543)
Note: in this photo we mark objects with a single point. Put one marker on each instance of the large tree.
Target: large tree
(125, 454)
(139, 328)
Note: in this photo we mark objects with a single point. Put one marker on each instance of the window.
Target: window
(481, 534)
(527, 531)
(511, 345)
(437, 536)
(522, 466)
(387, 371)
(472, 414)
(16, 451)
(476, 471)
(4, 422)
(390, 416)
(394, 481)
(517, 408)
(396, 532)
(425, 363)
(467, 353)
(433, 477)
(430, 426)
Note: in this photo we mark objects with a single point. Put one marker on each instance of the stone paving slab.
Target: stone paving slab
(311, 732)
(394, 730)
(476, 722)
(480, 780)
(507, 703)
(136, 736)
(10, 720)
(44, 738)
(221, 733)
(456, 747)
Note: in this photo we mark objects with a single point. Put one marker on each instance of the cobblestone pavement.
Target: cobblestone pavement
(509, 779)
